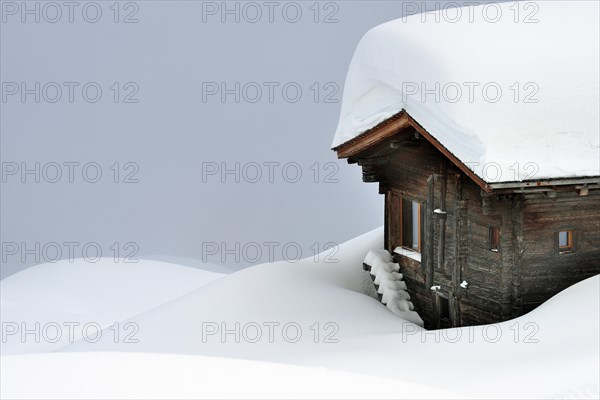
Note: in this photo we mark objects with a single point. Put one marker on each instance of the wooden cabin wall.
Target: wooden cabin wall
(489, 297)
(543, 271)
(406, 175)
(489, 274)
(527, 269)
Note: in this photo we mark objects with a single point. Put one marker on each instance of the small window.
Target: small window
(495, 239)
(411, 225)
(565, 241)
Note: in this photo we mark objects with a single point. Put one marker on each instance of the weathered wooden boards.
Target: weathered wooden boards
(457, 214)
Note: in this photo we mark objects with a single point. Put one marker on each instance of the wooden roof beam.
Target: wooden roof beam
(372, 137)
(582, 182)
(372, 161)
(469, 172)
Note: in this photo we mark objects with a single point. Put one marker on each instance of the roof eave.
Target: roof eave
(401, 120)
(387, 129)
(545, 183)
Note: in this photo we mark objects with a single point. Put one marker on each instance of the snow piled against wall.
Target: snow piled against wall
(391, 287)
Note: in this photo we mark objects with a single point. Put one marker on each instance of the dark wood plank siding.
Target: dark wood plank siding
(545, 272)
(488, 297)
(406, 175)
(525, 271)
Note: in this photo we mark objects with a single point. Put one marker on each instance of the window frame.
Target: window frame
(491, 237)
(570, 246)
(419, 224)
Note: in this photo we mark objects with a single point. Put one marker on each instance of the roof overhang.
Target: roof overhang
(387, 129)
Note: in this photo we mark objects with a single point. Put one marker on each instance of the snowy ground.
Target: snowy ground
(306, 329)
(99, 293)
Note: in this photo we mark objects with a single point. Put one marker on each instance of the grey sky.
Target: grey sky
(175, 140)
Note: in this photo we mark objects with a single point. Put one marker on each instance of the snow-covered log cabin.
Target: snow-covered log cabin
(484, 139)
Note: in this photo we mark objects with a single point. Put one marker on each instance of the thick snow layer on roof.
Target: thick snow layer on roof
(523, 89)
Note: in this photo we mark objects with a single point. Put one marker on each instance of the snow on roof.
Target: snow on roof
(523, 89)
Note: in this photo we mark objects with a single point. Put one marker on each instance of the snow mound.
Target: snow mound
(325, 302)
(552, 352)
(192, 263)
(168, 376)
(82, 292)
(493, 92)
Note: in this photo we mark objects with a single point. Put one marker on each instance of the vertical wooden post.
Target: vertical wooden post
(507, 257)
(517, 237)
(442, 237)
(386, 222)
(456, 270)
(441, 244)
(436, 306)
(428, 253)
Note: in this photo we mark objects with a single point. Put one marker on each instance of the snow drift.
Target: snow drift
(550, 352)
(99, 294)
